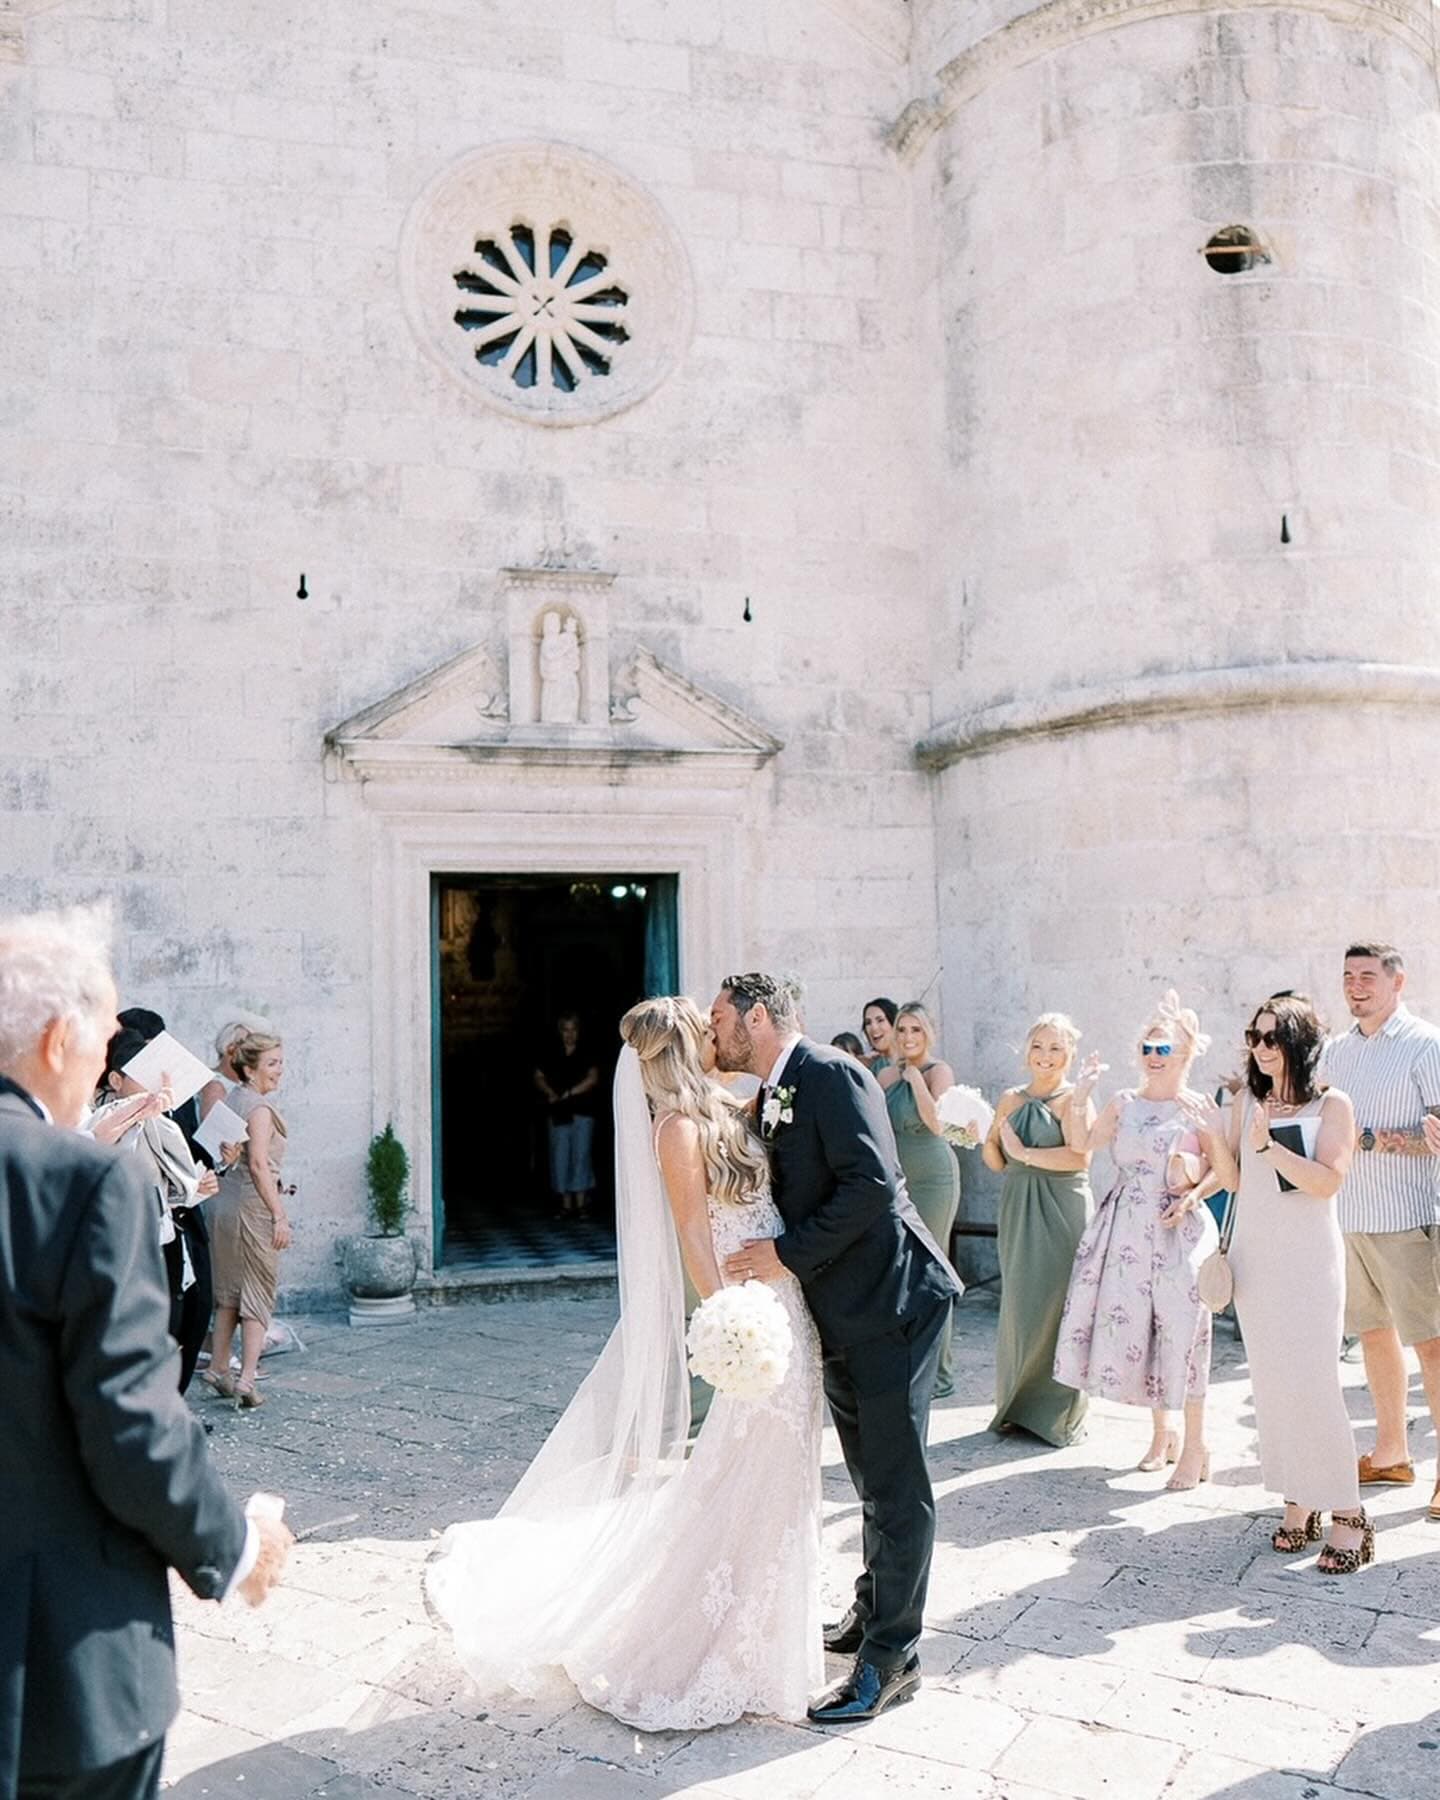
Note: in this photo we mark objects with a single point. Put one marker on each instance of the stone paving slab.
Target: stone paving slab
(1089, 1634)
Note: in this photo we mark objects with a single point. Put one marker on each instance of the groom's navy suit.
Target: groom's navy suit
(880, 1289)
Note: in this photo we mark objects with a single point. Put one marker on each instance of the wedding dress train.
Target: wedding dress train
(674, 1594)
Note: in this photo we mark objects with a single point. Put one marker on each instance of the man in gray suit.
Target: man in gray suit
(105, 1480)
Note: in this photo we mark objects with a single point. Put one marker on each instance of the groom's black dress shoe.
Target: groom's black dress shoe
(846, 1636)
(865, 1693)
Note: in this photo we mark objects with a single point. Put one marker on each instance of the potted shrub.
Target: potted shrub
(380, 1267)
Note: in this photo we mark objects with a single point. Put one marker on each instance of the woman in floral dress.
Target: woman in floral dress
(1134, 1327)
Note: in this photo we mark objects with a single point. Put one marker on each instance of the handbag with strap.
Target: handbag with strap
(1216, 1279)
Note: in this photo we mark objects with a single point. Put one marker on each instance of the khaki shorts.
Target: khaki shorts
(1393, 1278)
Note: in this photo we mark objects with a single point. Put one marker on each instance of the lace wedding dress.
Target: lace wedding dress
(674, 1594)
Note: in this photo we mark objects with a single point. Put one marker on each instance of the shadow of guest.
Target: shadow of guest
(567, 1079)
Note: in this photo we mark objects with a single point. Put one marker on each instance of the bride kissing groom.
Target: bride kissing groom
(681, 1593)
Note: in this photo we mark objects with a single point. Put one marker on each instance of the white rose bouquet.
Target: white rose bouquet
(740, 1340)
(965, 1115)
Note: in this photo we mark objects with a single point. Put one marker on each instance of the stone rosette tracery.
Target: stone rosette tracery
(547, 282)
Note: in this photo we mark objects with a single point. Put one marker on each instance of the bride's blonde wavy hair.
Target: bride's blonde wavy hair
(668, 1035)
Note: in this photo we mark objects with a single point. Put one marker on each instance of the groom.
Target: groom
(880, 1289)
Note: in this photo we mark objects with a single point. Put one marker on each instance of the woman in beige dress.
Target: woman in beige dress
(249, 1226)
(1294, 1145)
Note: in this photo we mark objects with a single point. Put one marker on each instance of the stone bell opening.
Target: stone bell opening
(512, 957)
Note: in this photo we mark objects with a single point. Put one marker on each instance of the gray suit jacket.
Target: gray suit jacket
(105, 1479)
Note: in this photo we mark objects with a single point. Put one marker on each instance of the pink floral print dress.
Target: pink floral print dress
(1134, 1327)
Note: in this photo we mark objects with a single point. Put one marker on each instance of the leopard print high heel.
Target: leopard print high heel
(1347, 1562)
(1290, 1540)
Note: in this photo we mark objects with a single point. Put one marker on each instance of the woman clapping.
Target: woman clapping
(1135, 1328)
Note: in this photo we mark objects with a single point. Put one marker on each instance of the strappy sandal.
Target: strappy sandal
(247, 1395)
(1347, 1562)
(220, 1383)
(1290, 1540)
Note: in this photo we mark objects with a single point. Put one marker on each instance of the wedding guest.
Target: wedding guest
(1293, 1144)
(567, 1079)
(851, 1045)
(106, 1480)
(1045, 1205)
(913, 1081)
(250, 1226)
(877, 1023)
(176, 1185)
(240, 1025)
(1389, 1065)
(1134, 1328)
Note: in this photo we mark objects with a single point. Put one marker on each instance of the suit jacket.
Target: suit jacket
(105, 1479)
(852, 1234)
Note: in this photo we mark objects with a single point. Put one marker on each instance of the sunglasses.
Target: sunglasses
(1270, 1039)
(1156, 1049)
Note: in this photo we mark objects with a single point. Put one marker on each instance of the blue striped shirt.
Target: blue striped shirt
(1391, 1077)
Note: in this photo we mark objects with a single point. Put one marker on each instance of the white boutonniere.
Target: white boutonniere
(779, 1110)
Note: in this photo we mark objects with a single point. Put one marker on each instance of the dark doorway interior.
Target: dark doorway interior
(511, 954)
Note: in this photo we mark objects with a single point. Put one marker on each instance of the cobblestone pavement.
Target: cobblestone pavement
(1090, 1635)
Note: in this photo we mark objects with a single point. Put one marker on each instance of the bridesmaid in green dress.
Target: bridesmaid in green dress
(913, 1080)
(1045, 1206)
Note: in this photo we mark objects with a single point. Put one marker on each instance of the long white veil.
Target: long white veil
(517, 1590)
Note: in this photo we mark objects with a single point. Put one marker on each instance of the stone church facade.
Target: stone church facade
(952, 485)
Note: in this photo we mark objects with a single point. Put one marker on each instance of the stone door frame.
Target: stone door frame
(702, 849)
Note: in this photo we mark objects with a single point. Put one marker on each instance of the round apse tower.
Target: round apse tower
(1187, 276)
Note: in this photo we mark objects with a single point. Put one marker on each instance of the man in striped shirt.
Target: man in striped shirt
(1389, 1065)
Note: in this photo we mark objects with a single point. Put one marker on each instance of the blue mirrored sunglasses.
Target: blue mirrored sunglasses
(1156, 1049)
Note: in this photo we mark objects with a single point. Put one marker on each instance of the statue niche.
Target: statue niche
(559, 668)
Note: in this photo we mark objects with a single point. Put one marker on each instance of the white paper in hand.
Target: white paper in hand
(220, 1126)
(163, 1057)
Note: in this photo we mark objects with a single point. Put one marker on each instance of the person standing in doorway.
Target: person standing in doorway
(567, 1080)
(1389, 1064)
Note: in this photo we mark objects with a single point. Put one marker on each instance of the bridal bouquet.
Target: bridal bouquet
(739, 1341)
(965, 1114)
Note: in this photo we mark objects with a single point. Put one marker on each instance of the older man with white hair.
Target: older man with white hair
(105, 1481)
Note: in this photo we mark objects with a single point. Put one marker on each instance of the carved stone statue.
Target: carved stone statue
(559, 671)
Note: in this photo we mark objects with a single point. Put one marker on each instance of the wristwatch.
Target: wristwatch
(1366, 1140)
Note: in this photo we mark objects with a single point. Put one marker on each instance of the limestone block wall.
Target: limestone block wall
(213, 386)
(1131, 438)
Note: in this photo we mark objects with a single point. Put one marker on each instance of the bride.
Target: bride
(674, 1594)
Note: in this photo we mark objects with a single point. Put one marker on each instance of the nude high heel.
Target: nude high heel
(1168, 1453)
(1177, 1486)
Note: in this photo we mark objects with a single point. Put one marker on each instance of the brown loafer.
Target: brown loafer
(1433, 1511)
(1395, 1475)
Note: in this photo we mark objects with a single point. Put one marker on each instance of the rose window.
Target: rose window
(542, 308)
(546, 282)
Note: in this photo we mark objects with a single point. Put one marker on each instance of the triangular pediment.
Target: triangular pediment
(457, 711)
(458, 702)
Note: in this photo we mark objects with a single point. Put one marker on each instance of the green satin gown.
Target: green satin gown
(1043, 1214)
(932, 1174)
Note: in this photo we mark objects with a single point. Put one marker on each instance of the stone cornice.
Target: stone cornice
(1061, 22)
(1183, 693)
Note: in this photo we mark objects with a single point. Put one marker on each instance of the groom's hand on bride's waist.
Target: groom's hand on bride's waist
(755, 1261)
